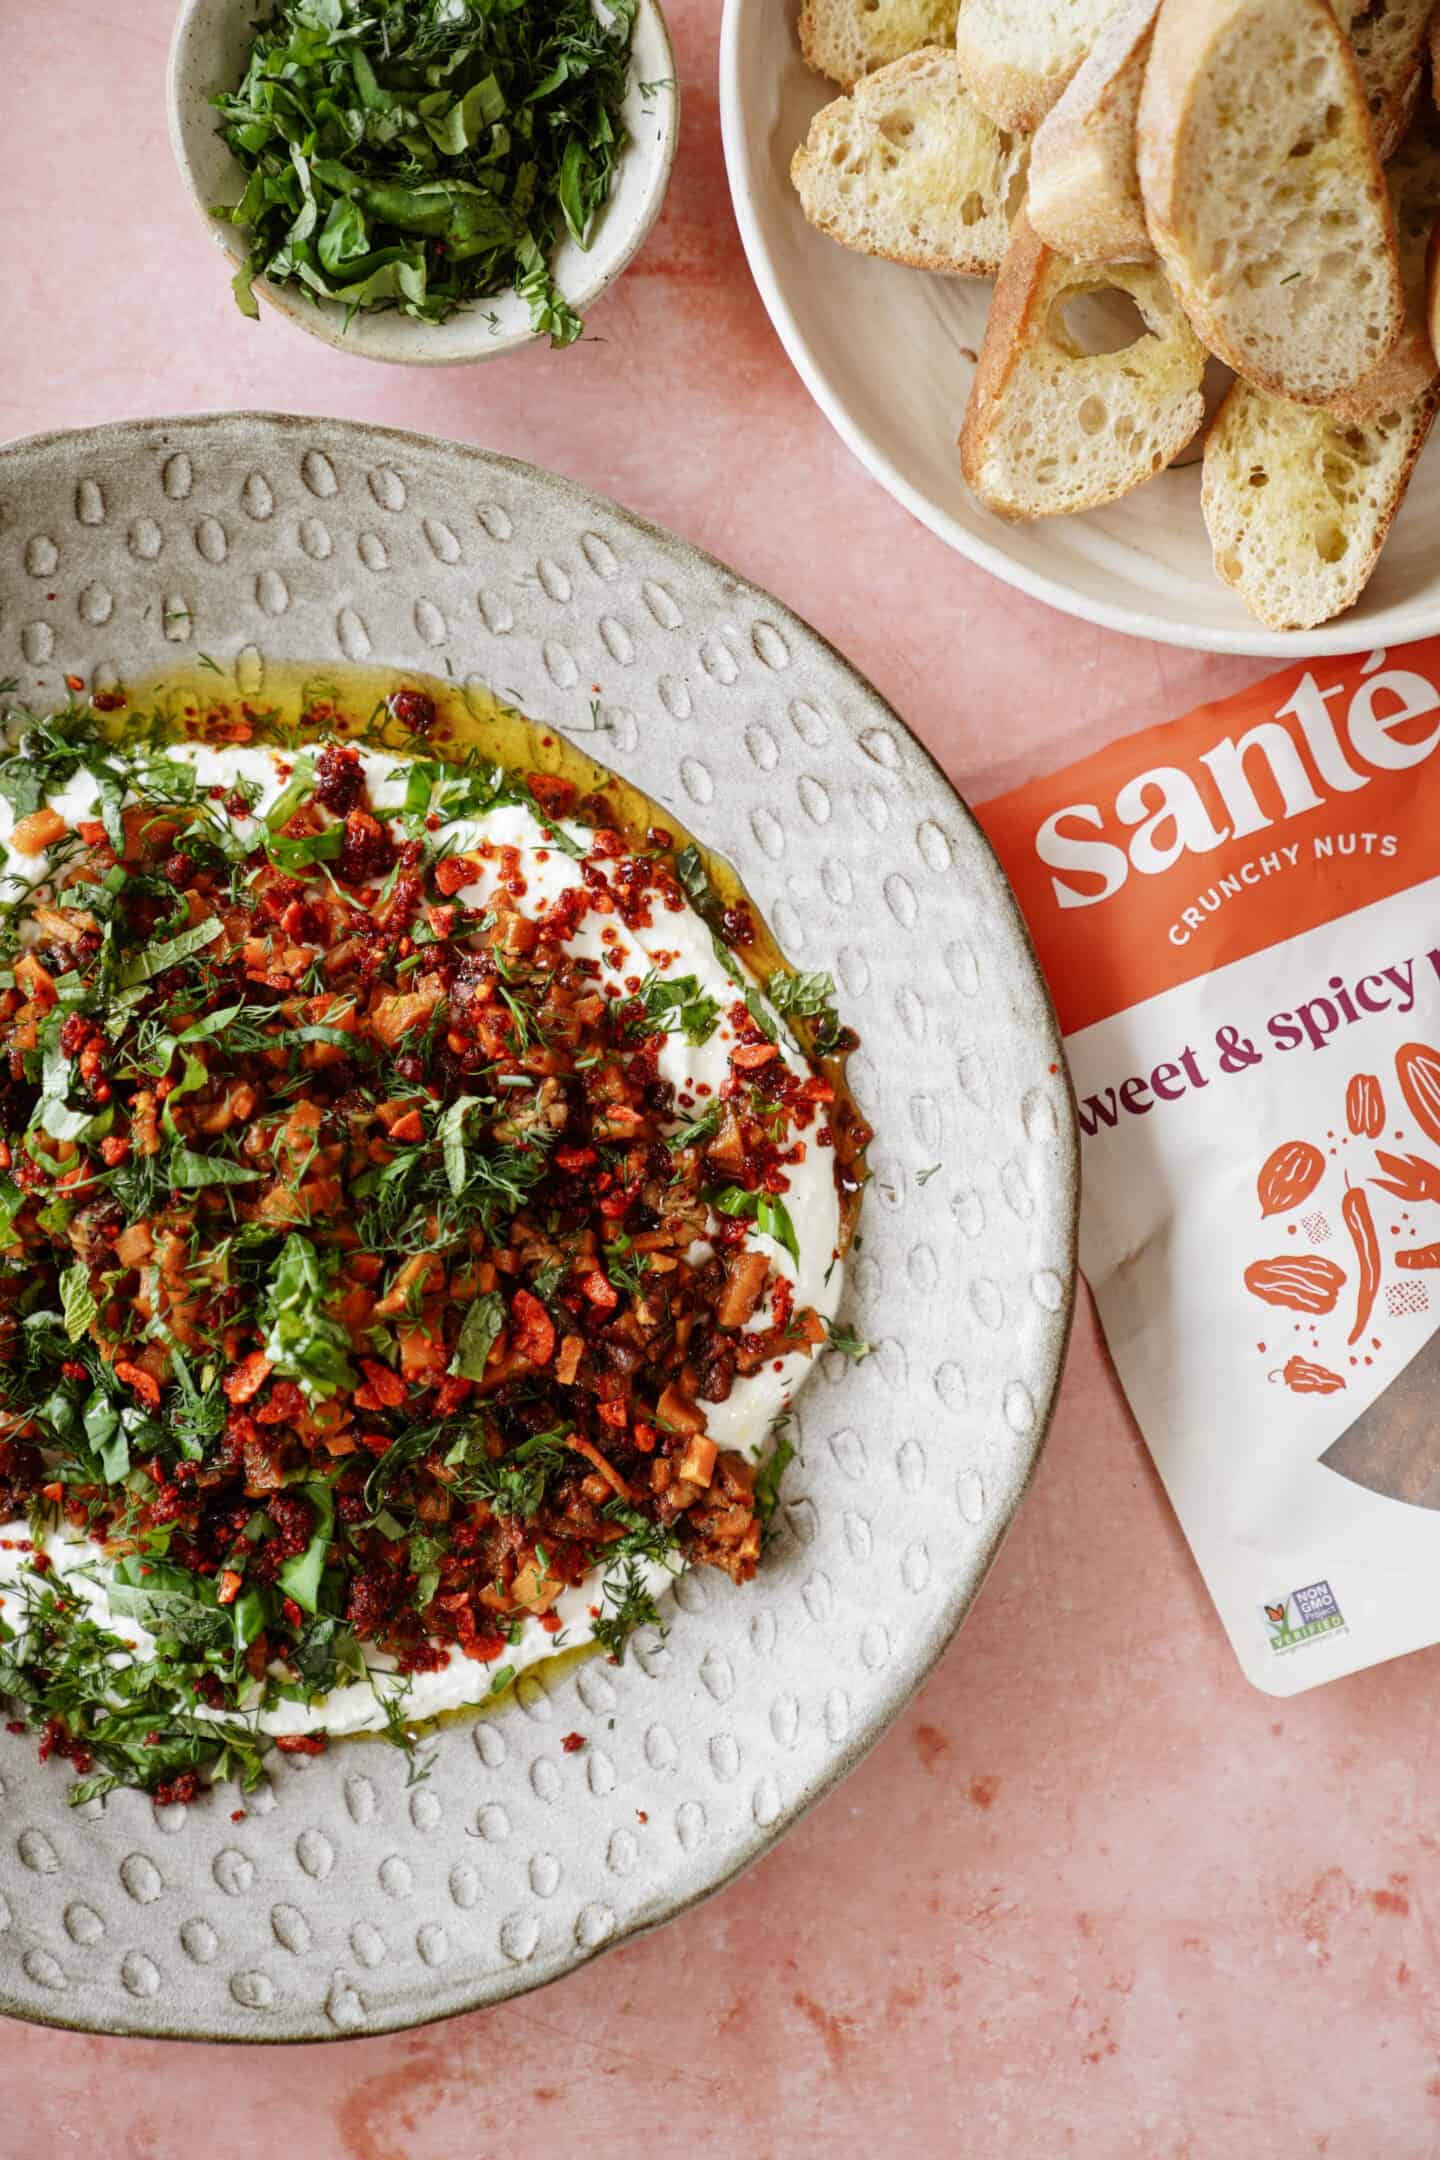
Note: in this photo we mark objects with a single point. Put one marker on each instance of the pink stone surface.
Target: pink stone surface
(1092, 1895)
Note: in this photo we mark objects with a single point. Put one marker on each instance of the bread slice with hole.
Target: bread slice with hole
(1410, 369)
(1269, 213)
(1017, 56)
(1084, 191)
(846, 39)
(1053, 427)
(1387, 38)
(908, 167)
(1298, 504)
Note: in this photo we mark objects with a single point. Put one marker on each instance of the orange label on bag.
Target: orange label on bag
(1207, 839)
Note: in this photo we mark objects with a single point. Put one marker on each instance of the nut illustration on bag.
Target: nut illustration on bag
(1365, 1107)
(1393, 1447)
(1289, 1176)
(1299, 1280)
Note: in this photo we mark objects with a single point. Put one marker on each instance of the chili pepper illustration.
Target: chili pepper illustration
(1408, 1177)
(1303, 1377)
(1419, 1256)
(1355, 1209)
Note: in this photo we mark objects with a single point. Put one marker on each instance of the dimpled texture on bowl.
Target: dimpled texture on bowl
(208, 54)
(888, 354)
(346, 1902)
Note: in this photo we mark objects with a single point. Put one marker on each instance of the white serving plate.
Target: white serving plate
(886, 353)
(347, 1901)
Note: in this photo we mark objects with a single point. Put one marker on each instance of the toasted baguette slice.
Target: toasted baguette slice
(1051, 427)
(1018, 55)
(907, 166)
(846, 39)
(1411, 367)
(1084, 193)
(1269, 213)
(1387, 38)
(1298, 505)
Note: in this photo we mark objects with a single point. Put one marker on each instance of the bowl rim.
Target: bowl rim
(845, 1756)
(325, 319)
(1347, 633)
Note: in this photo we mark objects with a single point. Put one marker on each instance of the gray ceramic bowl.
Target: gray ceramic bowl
(347, 1901)
(208, 53)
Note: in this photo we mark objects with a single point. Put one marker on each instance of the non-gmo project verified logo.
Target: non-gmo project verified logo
(1303, 1617)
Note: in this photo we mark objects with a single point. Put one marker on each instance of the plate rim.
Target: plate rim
(847, 1756)
(1344, 635)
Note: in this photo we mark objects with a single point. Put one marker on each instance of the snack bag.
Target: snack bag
(1239, 916)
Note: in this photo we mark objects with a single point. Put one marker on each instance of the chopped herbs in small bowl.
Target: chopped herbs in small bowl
(426, 180)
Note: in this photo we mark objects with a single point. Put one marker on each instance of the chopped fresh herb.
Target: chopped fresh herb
(923, 1177)
(78, 1300)
(424, 154)
(136, 1718)
(302, 1340)
(846, 1341)
(770, 1473)
(626, 1604)
(807, 997)
(479, 1331)
(696, 1131)
(300, 1576)
(768, 1213)
(675, 1005)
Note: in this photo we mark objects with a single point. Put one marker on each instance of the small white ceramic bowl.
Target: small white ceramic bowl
(889, 354)
(208, 53)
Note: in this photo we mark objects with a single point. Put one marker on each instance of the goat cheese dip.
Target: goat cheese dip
(414, 1220)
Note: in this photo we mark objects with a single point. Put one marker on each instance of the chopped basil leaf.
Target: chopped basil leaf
(478, 1333)
(78, 1300)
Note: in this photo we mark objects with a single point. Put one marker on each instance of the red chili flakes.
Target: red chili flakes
(414, 709)
(177, 1791)
(339, 779)
(573, 1742)
(302, 1743)
(555, 796)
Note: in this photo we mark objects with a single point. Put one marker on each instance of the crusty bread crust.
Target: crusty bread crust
(1411, 368)
(1017, 95)
(1004, 452)
(1306, 149)
(1388, 38)
(1084, 194)
(1310, 585)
